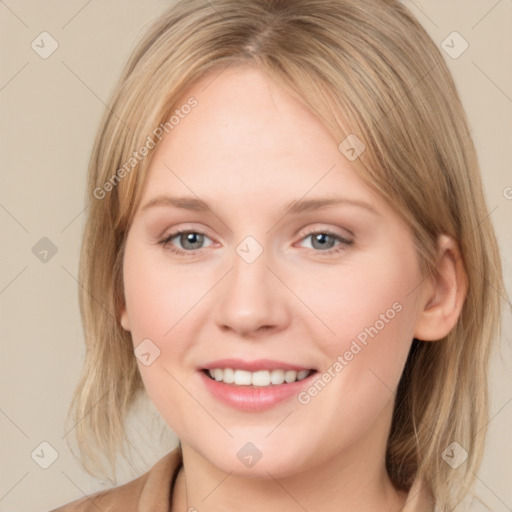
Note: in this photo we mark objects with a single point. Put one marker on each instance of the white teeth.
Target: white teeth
(228, 376)
(260, 378)
(302, 374)
(290, 376)
(241, 378)
(277, 376)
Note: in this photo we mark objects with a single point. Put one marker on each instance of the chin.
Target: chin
(253, 460)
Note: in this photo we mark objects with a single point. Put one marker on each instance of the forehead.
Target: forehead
(249, 139)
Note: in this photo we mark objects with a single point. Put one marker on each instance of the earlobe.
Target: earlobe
(444, 294)
(123, 319)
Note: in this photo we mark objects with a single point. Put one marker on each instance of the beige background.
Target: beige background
(50, 109)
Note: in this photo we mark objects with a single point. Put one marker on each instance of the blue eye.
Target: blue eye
(323, 242)
(189, 240)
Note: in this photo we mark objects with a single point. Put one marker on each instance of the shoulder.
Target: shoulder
(123, 497)
(150, 491)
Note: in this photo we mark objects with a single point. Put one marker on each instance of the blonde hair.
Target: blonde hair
(365, 67)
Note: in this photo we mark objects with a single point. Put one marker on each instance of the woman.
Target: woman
(286, 249)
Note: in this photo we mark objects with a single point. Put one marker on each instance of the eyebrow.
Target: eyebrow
(291, 207)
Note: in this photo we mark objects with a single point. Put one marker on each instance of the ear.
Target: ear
(444, 296)
(123, 319)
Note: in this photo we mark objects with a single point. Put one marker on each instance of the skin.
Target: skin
(247, 149)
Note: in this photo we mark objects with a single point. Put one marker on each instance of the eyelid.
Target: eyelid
(185, 226)
(321, 228)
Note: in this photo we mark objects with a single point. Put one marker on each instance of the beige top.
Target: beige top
(152, 492)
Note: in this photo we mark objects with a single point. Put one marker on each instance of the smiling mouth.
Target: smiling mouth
(260, 378)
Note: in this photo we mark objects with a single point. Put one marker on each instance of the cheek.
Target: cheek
(371, 311)
(368, 313)
(164, 304)
(158, 296)
(155, 292)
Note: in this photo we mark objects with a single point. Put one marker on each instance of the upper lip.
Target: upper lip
(253, 366)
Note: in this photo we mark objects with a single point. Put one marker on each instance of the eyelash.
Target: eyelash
(345, 243)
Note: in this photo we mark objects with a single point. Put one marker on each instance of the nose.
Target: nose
(251, 300)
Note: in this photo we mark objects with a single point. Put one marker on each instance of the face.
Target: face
(259, 254)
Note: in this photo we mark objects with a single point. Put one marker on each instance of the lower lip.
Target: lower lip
(253, 399)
